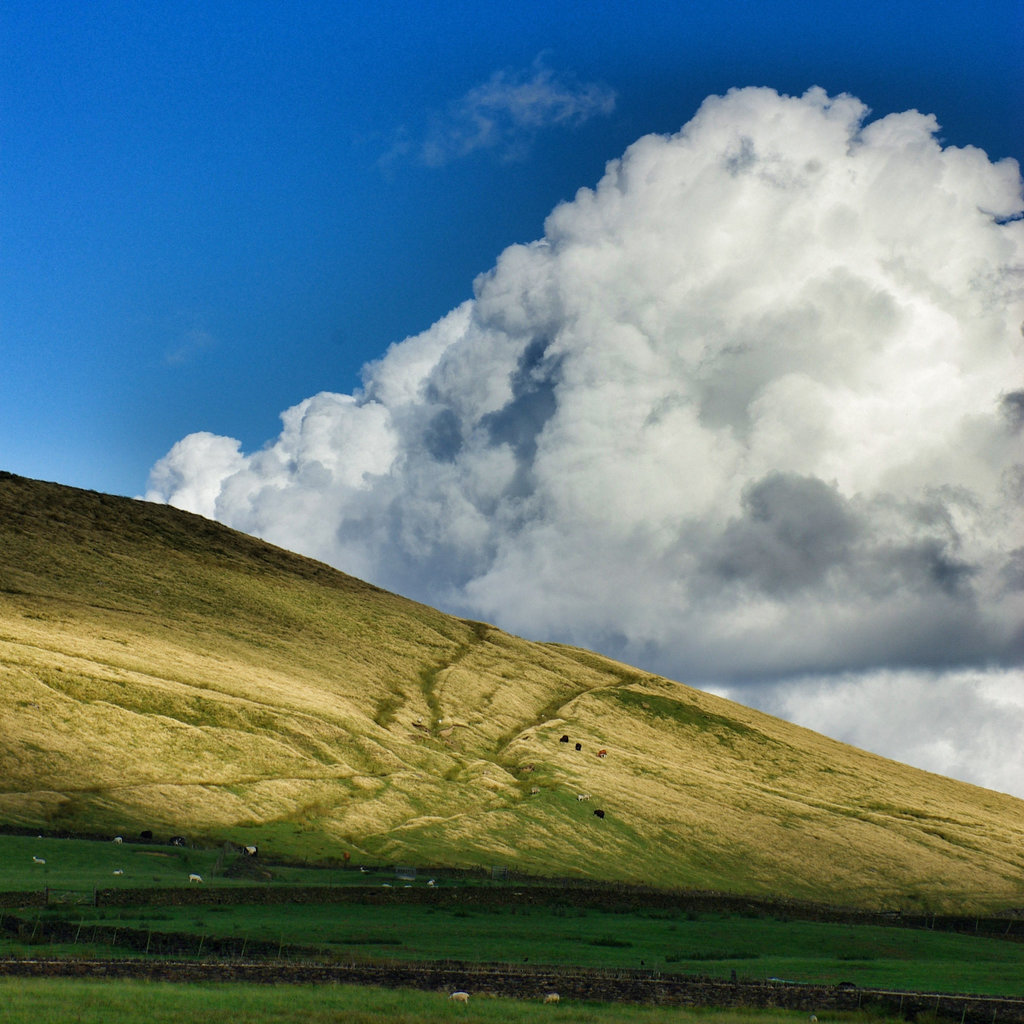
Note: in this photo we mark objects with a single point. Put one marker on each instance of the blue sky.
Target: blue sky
(210, 211)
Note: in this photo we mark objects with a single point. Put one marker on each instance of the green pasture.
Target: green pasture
(668, 939)
(712, 945)
(89, 864)
(39, 1001)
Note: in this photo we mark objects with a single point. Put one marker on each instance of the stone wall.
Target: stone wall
(525, 982)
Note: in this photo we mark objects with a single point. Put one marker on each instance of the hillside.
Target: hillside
(160, 671)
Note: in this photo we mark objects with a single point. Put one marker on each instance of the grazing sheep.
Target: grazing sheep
(431, 882)
(250, 851)
(582, 796)
(551, 997)
(119, 871)
(118, 840)
(37, 860)
(459, 997)
(195, 878)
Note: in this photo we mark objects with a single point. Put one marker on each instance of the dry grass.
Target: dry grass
(160, 671)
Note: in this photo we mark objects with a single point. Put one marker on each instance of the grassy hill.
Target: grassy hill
(160, 671)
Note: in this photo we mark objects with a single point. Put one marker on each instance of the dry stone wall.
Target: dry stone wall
(526, 982)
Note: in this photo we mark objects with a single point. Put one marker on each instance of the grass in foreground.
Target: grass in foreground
(65, 1001)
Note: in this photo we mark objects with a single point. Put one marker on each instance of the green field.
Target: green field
(513, 929)
(711, 945)
(35, 1001)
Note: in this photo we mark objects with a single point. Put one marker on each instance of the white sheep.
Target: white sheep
(551, 997)
(37, 860)
(119, 871)
(118, 840)
(195, 878)
(459, 997)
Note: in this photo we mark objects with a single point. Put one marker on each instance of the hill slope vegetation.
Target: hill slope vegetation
(160, 671)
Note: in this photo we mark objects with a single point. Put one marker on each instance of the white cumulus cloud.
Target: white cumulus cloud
(962, 723)
(749, 411)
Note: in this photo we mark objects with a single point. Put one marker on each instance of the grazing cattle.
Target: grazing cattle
(551, 997)
(579, 746)
(602, 753)
(250, 851)
(582, 796)
(460, 997)
(564, 739)
(177, 840)
(363, 870)
(598, 813)
(118, 840)
(37, 860)
(119, 871)
(195, 878)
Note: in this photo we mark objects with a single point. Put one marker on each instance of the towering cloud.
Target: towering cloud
(750, 409)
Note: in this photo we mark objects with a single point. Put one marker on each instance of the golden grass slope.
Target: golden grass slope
(158, 670)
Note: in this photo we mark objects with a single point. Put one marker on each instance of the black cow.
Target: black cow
(564, 739)
(579, 746)
(598, 813)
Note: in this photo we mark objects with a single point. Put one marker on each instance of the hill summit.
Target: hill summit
(161, 671)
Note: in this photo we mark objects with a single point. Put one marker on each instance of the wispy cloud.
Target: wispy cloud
(505, 114)
(187, 345)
